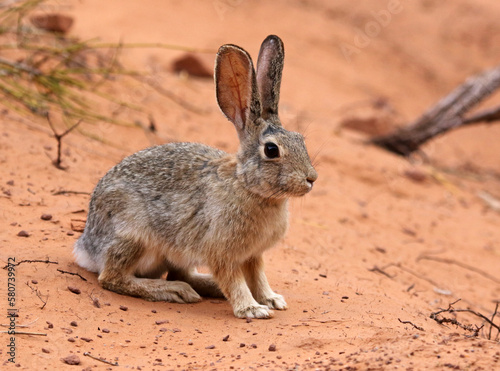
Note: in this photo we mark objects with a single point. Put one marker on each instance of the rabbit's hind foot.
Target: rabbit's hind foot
(150, 289)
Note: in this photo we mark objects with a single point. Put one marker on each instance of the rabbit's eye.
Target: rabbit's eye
(271, 150)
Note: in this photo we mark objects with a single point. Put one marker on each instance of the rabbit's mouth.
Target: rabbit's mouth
(310, 184)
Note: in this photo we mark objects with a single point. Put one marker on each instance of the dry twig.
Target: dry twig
(32, 261)
(38, 294)
(25, 333)
(59, 137)
(460, 264)
(411, 323)
(100, 359)
(72, 273)
(454, 321)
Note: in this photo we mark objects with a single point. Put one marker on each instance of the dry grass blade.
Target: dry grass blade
(42, 72)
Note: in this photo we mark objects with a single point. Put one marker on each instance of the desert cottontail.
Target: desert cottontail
(174, 207)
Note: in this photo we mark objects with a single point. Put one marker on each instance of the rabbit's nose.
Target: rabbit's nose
(311, 178)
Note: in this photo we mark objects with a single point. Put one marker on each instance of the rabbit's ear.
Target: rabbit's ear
(236, 87)
(269, 70)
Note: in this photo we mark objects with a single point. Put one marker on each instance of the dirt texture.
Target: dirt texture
(380, 243)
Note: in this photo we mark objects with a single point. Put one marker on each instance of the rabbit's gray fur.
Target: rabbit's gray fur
(181, 205)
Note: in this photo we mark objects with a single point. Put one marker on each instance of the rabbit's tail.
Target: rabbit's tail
(83, 258)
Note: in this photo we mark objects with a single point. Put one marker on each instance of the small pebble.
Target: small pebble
(210, 347)
(242, 345)
(45, 350)
(34, 282)
(49, 324)
(249, 320)
(74, 290)
(71, 340)
(87, 340)
(123, 307)
(105, 330)
(272, 348)
(46, 217)
(161, 322)
(73, 323)
(225, 338)
(23, 234)
(10, 182)
(253, 346)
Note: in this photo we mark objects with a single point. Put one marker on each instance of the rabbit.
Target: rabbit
(177, 206)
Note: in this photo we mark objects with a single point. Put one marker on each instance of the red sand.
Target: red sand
(433, 237)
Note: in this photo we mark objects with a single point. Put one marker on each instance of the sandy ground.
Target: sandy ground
(378, 242)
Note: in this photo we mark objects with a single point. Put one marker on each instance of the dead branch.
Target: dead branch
(488, 115)
(446, 115)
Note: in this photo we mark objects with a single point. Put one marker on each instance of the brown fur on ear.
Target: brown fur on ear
(236, 86)
(269, 71)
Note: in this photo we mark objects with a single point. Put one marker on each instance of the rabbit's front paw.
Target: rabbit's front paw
(275, 301)
(254, 311)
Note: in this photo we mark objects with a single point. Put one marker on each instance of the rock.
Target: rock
(191, 64)
(53, 22)
(272, 348)
(23, 233)
(72, 359)
(46, 217)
